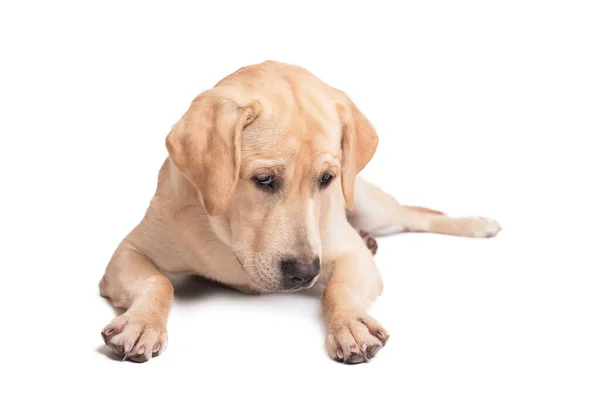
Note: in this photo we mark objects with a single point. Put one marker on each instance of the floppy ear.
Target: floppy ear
(205, 146)
(359, 142)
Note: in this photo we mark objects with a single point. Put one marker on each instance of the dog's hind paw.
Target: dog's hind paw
(483, 227)
(369, 241)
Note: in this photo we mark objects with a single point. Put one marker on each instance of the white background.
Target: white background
(483, 108)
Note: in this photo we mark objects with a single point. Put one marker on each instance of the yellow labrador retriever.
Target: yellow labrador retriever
(260, 192)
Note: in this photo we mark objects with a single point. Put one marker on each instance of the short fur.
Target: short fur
(209, 217)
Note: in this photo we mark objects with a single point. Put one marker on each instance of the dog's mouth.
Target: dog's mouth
(271, 286)
(240, 261)
(307, 285)
(264, 285)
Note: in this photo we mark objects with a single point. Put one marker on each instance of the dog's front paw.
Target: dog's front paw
(355, 339)
(136, 338)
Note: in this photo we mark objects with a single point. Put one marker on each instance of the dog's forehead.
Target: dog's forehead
(305, 143)
(299, 121)
(294, 123)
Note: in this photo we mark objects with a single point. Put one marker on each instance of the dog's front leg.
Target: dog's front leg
(354, 282)
(132, 282)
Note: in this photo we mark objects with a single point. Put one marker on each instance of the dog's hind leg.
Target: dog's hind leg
(379, 214)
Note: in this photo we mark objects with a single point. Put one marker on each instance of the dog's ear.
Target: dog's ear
(205, 146)
(359, 142)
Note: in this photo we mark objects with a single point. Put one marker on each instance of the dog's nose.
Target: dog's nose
(299, 273)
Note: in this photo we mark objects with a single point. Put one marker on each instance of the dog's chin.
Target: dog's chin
(281, 289)
(268, 287)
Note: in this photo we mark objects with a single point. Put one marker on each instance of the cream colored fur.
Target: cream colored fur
(209, 217)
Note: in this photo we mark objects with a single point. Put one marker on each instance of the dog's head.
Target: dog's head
(269, 148)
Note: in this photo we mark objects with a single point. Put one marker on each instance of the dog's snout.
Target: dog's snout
(297, 273)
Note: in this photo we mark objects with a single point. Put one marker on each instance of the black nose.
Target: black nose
(297, 273)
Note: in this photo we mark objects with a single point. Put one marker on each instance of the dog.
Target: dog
(260, 192)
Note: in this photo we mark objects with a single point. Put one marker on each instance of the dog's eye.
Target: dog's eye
(264, 181)
(325, 180)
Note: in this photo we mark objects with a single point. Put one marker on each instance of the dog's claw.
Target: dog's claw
(363, 351)
(356, 340)
(365, 356)
(127, 348)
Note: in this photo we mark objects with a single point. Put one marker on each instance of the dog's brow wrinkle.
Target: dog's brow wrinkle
(268, 163)
(328, 160)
